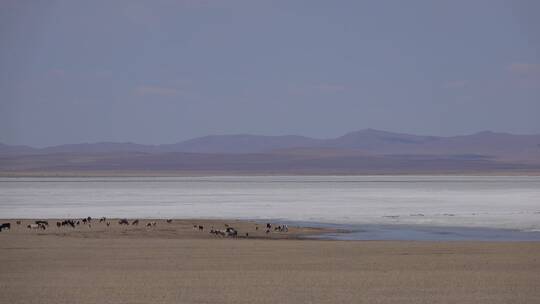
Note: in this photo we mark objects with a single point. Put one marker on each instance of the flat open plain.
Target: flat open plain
(174, 263)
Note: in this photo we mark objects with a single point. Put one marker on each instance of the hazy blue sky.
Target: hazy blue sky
(165, 71)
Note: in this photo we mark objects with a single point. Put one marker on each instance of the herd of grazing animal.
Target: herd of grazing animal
(228, 232)
(36, 225)
(232, 232)
(73, 223)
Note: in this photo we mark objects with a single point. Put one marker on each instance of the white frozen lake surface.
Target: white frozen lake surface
(460, 201)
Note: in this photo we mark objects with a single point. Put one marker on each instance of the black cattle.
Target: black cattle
(231, 232)
(218, 232)
(135, 222)
(280, 228)
(5, 226)
(201, 228)
(68, 223)
(169, 221)
(46, 223)
(123, 222)
(18, 222)
(58, 224)
(103, 219)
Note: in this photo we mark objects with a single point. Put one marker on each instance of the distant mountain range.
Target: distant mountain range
(365, 151)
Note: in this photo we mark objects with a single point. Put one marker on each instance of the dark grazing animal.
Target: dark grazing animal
(103, 219)
(201, 228)
(221, 233)
(46, 223)
(68, 223)
(37, 226)
(18, 222)
(283, 228)
(58, 224)
(169, 221)
(231, 232)
(5, 226)
(280, 228)
(135, 222)
(123, 222)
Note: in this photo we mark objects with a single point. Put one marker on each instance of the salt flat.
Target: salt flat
(459, 201)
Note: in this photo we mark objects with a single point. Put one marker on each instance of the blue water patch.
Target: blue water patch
(372, 232)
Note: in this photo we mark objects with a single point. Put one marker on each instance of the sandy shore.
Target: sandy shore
(174, 263)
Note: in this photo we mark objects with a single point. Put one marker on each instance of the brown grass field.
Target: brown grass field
(174, 263)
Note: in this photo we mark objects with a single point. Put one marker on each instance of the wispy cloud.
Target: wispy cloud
(455, 84)
(199, 3)
(141, 14)
(56, 73)
(317, 88)
(329, 87)
(524, 69)
(152, 13)
(525, 75)
(156, 91)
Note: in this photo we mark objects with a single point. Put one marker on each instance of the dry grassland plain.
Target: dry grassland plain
(175, 263)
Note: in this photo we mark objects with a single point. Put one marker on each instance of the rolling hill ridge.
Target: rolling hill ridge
(364, 151)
